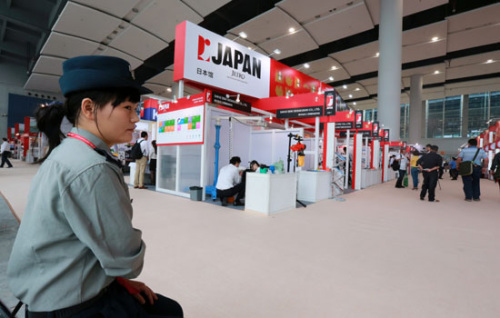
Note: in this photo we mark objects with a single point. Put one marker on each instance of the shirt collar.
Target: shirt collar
(90, 137)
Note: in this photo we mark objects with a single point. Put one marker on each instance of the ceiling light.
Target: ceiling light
(169, 89)
(434, 39)
(334, 68)
(249, 48)
(350, 95)
(357, 89)
(436, 72)
(331, 78)
(354, 103)
(345, 86)
(377, 54)
(277, 51)
(291, 30)
(306, 65)
(489, 61)
(243, 35)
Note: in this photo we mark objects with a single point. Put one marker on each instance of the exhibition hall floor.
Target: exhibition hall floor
(380, 253)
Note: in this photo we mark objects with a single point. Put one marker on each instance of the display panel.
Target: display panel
(182, 122)
(183, 126)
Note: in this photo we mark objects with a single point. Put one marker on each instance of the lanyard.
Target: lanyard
(99, 151)
(85, 140)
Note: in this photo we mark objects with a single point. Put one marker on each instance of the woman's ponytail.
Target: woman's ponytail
(49, 118)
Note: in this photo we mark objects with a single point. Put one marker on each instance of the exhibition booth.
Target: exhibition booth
(259, 109)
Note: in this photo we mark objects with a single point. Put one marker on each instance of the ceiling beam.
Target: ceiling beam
(14, 48)
(21, 17)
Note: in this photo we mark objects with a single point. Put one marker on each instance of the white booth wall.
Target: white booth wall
(240, 141)
(269, 146)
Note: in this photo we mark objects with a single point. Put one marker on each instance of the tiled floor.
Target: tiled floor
(380, 253)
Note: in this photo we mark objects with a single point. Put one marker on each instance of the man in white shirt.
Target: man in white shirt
(403, 164)
(228, 182)
(140, 164)
(5, 151)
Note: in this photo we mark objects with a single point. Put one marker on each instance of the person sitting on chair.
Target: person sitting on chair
(228, 182)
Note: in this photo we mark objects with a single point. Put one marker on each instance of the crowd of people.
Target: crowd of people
(431, 165)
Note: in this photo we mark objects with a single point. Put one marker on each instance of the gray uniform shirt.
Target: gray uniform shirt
(76, 234)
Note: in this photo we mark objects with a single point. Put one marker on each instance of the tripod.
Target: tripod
(289, 159)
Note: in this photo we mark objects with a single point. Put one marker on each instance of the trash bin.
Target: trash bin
(196, 193)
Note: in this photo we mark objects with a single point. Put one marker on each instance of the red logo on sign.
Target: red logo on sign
(202, 45)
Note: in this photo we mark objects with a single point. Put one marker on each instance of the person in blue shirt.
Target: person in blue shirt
(472, 188)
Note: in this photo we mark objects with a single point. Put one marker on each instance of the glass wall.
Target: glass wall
(405, 121)
(444, 116)
(478, 113)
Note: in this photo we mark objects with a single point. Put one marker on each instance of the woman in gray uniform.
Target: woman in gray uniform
(76, 249)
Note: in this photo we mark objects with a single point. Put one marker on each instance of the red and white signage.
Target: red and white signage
(181, 122)
(205, 57)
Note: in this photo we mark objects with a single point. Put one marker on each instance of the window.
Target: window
(404, 122)
(453, 117)
(495, 105)
(478, 113)
(435, 118)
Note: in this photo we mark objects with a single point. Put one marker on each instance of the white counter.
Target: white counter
(370, 177)
(314, 186)
(270, 193)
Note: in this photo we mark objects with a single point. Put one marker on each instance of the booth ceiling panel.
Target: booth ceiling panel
(188, 90)
(267, 26)
(68, 46)
(134, 62)
(117, 8)
(362, 66)
(474, 37)
(420, 51)
(434, 78)
(165, 78)
(43, 82)
(476, 59)
(156, 88)
(423, 70)
(137, 42)
(472, 70)
(409, 7)
(474, 19)
(305, 11)
(204, 8)
(425, 34)
(341, 24)
(250, 45)
(85, 22)
(300, 43)
(161, 17)
(49, 65)
(357, 53)
(472, 87)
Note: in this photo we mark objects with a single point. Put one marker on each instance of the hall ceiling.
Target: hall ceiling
(337, 38)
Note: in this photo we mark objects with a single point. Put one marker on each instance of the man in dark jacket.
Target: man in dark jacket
(429, 165)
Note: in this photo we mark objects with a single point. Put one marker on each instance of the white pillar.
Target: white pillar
(316, 144)
(389, 70)
(415, 109)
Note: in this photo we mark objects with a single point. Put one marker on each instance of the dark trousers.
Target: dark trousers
(454, 174)
(399, 182)
(430, 182)
(5, 159)
(238, 189)
(118, 303)
(472, 189)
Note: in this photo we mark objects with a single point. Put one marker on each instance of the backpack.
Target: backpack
(136, 152)
(395, 165)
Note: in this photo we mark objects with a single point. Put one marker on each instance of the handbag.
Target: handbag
(466, 167)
